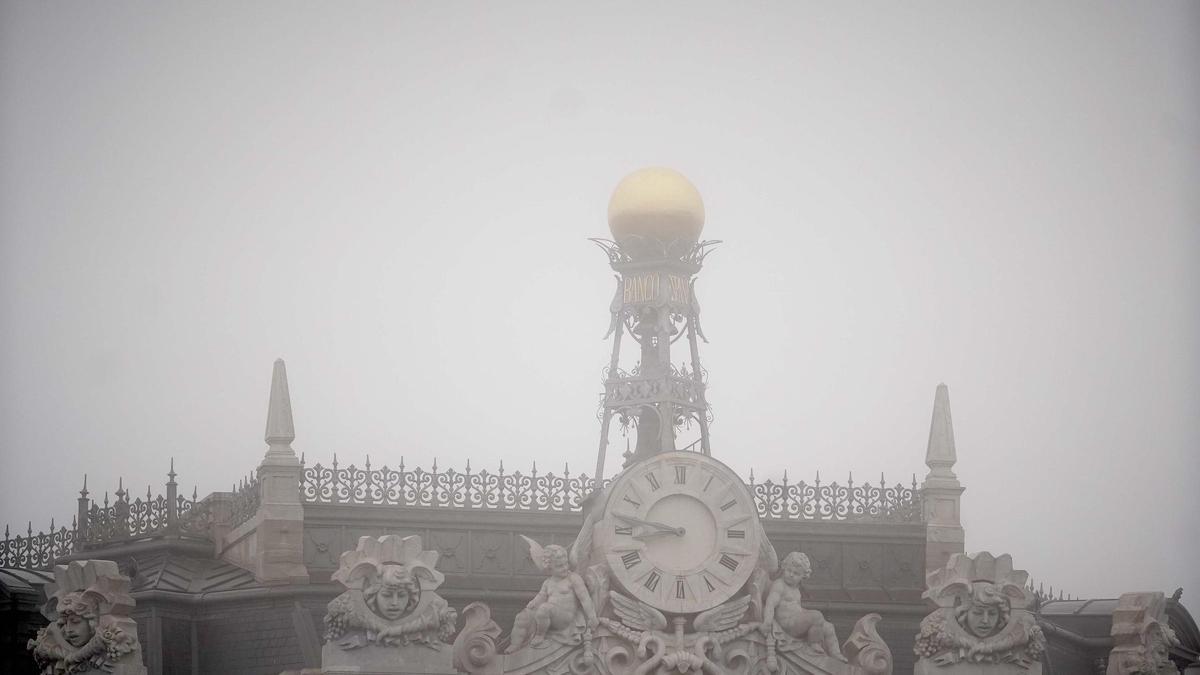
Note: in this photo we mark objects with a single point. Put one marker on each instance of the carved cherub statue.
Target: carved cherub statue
(982, 616)
(562, 610)
(784, 614)
(90, 630)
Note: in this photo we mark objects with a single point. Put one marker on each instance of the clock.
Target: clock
(680, 532)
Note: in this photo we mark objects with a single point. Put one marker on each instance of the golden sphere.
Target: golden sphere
(656, 203)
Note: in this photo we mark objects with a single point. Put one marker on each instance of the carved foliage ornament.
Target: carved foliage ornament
(90, 628)
(389, 599)
(982, 615)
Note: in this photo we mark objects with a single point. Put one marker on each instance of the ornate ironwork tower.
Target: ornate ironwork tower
(655, 216)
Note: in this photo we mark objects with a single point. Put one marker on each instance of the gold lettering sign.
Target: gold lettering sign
(645, 288)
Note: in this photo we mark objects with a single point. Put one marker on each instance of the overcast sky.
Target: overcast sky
(396, 199)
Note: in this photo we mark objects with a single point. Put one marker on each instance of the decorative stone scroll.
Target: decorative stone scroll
(1142, 640)
(389, 620)
(90, 630)
(982, 624)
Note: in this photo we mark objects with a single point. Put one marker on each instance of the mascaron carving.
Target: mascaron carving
(90, 629)
(390, 599)
(982, 617)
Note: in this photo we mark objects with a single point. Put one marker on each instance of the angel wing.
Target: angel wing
(724, 617)
(766, 551)
(636, 614)
(536, 553)
(596, 579)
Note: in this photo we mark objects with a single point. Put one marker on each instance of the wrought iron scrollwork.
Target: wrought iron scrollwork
(536, 491)
(36, 551)
(468, 489)
(96, 525)
(833, 501)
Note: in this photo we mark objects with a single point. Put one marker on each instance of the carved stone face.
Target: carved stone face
(394, 594)
(557, 561)
(392, 602)
(983, 620)
(795, 568)
(76, 630)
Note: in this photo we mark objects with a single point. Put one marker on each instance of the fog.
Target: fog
(396, 199)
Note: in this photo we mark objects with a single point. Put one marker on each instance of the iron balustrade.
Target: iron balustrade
(128, 519)
(534, 491)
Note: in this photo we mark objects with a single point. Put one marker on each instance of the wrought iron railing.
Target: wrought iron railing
(246, 498)
(386, 486)
(109, 522)
(536, 491)
(36, 551)
(126, 519)
(833, 501)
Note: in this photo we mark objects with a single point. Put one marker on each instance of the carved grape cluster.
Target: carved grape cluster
(932, 638)
(337, 620)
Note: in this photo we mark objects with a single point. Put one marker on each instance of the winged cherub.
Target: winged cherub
(784, 613)
(554, 610)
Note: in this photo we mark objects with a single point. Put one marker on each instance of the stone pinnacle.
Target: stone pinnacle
(940, 455)
(280, 429)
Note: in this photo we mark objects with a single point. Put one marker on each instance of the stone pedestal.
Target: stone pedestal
(373, 659)
(925, 667)
(279, 523)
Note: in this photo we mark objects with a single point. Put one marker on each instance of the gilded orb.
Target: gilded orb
(656, 204)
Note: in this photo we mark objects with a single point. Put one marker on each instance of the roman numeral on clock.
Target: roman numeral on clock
(708, 582)
(679, 588)
(653, 480)
(631, 559)
(736, 534)
(680, 474)
(635, 503)
(624, 530)
(652, 580)
(729, 505)
(729, 562)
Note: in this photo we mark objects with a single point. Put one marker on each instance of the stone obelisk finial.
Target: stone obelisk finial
(941, 491)
(280, 429)
(940, 455)
(270, 543)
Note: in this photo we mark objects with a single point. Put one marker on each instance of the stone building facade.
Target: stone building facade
(238, 582)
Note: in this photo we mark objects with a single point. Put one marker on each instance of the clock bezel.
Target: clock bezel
(707, 584)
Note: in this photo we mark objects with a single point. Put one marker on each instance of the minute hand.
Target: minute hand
(649, 523)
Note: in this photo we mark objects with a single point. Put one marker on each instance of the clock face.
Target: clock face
(680, 532)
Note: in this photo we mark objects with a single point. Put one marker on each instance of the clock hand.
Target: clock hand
(677, 531)
(662, 527)
(647, 523)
